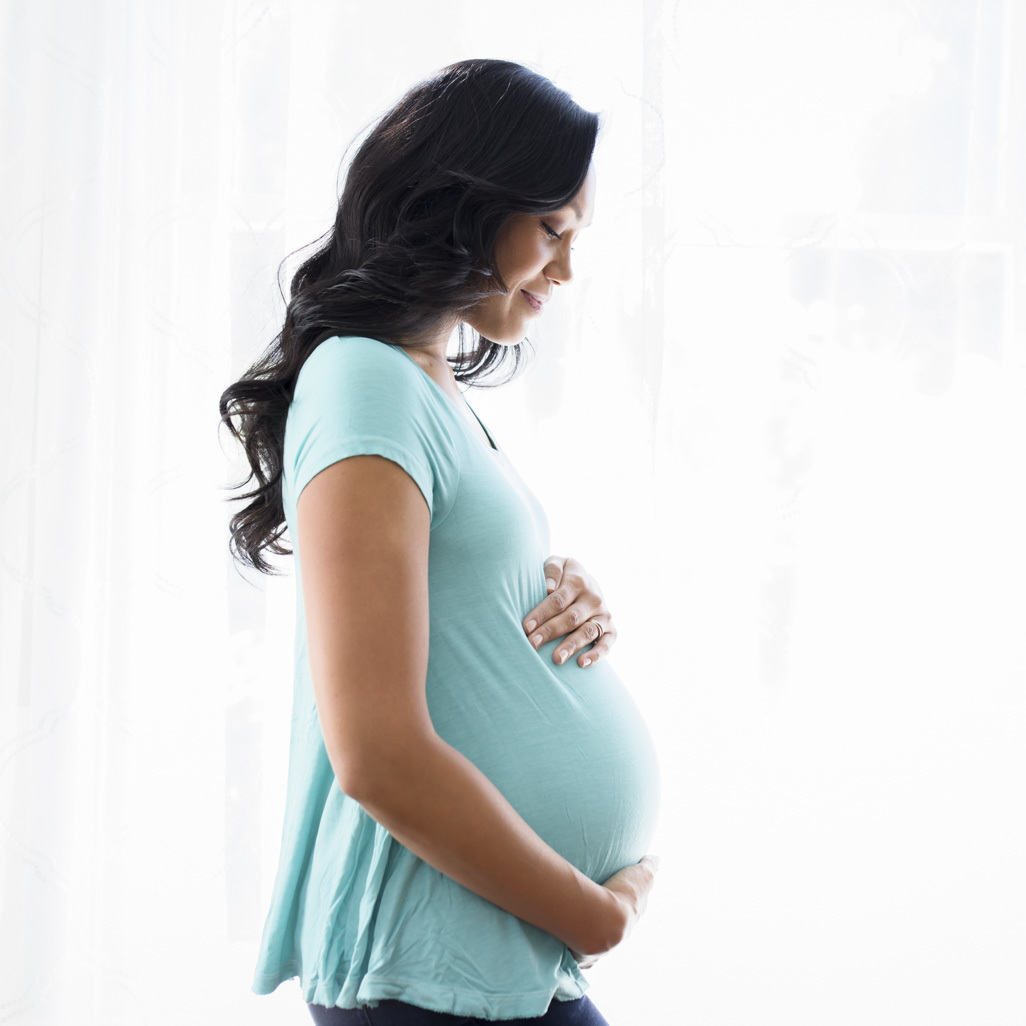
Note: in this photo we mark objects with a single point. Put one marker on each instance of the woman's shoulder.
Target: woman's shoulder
(356, 348)
(354, 357)
(352, 397)
(354, 342)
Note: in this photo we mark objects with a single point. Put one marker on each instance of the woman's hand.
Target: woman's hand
(631, 886)
(573, 604)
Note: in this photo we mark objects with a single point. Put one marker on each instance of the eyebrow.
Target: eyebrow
(577, 210)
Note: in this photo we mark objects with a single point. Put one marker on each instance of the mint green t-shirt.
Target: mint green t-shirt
(355, 914)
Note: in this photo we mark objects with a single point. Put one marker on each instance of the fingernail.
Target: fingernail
(530, 626)
(549, 583)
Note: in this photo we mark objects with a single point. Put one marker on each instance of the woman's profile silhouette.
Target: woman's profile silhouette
(467, 814)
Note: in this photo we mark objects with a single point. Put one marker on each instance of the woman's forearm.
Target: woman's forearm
(437, 803)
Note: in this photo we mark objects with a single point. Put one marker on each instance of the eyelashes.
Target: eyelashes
(554, 235)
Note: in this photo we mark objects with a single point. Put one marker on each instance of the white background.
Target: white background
(779, 415)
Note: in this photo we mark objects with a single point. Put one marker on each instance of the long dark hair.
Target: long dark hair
(412, 248)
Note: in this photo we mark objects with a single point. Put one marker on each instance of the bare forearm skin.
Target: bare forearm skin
(436, 802)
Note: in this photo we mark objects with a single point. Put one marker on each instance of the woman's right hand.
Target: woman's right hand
(631, 887)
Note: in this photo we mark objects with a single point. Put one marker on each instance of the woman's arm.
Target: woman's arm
(364, 530)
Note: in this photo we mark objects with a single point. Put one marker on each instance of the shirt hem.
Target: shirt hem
(450, 1000)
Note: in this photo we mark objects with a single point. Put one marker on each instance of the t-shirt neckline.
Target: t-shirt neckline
(448, 398)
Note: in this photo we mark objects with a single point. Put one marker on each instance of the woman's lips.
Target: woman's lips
(534, 303)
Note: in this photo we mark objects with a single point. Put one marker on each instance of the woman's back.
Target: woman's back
(354, 913)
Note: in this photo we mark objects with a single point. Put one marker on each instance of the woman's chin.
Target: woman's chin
(502, 335)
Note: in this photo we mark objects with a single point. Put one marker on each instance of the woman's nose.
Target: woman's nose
(560, 271)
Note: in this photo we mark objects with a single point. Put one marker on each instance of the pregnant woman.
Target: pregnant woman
(467, 813)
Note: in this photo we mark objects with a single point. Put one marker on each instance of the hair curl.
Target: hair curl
(412, 248)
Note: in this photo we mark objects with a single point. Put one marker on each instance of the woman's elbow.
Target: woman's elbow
(378, 766)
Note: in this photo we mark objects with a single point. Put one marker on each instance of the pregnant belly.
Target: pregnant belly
(566, 746)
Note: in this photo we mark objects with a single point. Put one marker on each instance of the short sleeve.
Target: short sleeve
(357, 396)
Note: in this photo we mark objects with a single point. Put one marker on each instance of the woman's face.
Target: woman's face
(533, 255)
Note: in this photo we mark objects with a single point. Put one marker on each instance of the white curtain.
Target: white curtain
(779, 415)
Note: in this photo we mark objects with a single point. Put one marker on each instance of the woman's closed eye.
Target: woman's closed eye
(554, 234)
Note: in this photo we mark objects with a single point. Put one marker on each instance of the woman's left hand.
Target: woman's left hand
(584, 961)
(573, 605)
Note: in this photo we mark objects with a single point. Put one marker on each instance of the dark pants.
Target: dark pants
(398, 1013)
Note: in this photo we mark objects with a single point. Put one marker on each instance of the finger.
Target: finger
(557, 603)
(587, 634)
(554, 572)
(601, 647)
(560, 614)
(592, 655)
